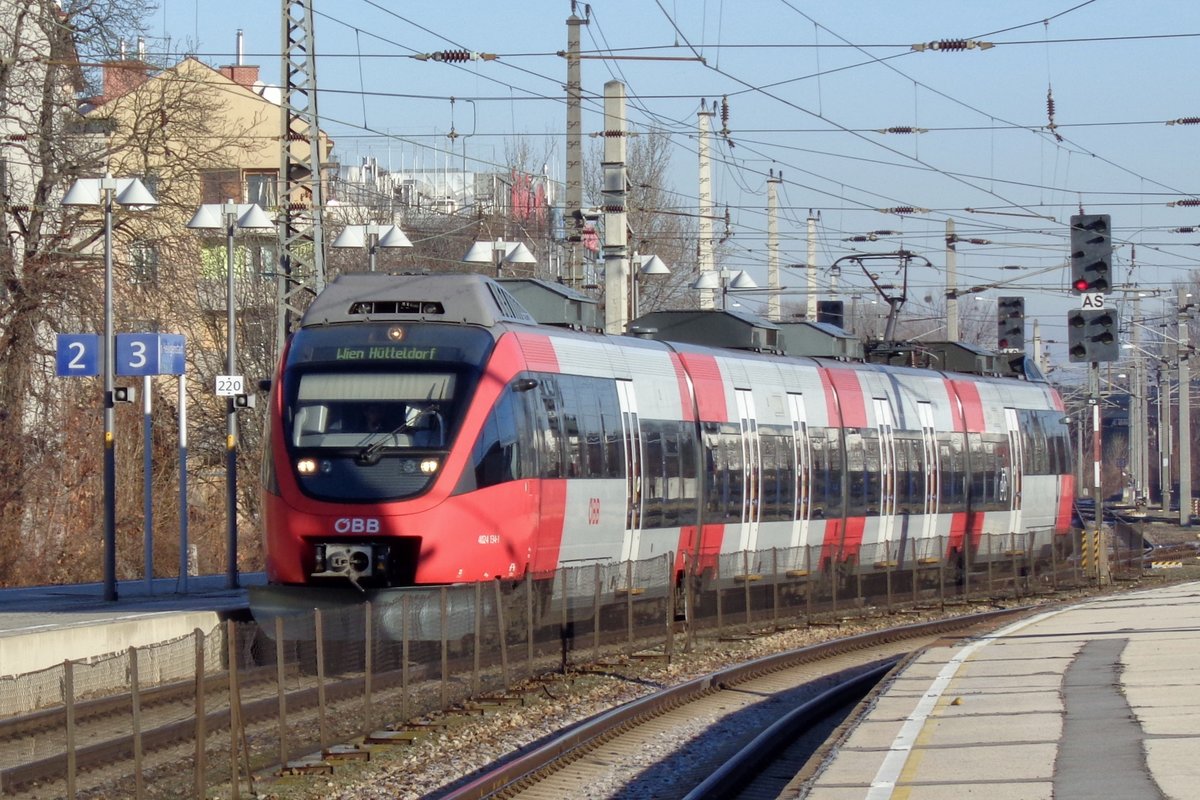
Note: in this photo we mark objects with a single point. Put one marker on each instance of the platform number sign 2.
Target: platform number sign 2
(77, 355)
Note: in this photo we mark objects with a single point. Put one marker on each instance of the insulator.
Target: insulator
(725, 111)
(1187, 201)
(452, 56)
(904, 129)
(949, 44)
(901, 210)
(1050, 105)
(1185, 229)
(1185, 121)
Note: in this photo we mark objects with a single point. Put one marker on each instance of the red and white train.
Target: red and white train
(424, 431)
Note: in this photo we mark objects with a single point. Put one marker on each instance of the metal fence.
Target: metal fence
(263, 699)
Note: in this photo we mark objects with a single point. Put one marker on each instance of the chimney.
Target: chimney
(122, 77)
(238, 72)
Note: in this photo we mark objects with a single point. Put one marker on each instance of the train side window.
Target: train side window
(497, 456)
(574, 455)
(952, 456)
(653, 474)
(688, 473)
(856, 473)
(610, 430)
(778, 473)
(591, 431)
(550, 427)
(725, 474)
(818, 486)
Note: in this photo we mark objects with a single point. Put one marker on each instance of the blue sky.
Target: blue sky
(809, 85)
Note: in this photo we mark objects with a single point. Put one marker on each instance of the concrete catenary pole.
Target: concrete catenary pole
(773, 246)
(574, 198)
(951, 284)
(705, 227)
(1185, 410)
(810, 269)
(616, 230)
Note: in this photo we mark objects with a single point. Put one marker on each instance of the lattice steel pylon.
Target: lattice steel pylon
(301, 241)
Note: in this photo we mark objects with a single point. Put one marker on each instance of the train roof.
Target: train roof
(384, 297)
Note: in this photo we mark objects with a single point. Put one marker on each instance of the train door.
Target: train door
(751, 494)
(1012, 485)
(887, 479)
(631, 428)
(931, 466)
(803, 488)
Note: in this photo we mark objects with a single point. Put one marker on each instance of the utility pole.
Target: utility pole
(951, 283)
(810, 269)
(705, 227)
(616, 228)
(574, 198)
(300, 203)
(1185, 411)
(1139, 443)
(773, 246)
(1164, 435)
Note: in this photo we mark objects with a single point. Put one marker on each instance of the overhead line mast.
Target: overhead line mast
(301, 240)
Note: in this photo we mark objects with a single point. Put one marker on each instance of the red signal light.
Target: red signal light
(1081, 285)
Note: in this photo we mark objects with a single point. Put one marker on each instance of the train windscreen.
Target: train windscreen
(370, 411)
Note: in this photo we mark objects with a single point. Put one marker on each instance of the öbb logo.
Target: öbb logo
(356, 525)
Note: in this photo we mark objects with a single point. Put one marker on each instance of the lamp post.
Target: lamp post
(649, 265)
(499, 253)
(230, 216)
(372, 237)
(104, 192)
(711, 280)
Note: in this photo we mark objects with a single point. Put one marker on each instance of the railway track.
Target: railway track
(720, 721)
(38, 750)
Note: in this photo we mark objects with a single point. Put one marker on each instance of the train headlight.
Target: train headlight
(429, 465)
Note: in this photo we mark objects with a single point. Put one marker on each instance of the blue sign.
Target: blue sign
(149, 354)
(77, 355)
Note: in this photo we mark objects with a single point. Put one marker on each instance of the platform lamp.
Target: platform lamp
(372, 237)
(230, 217)
(499, 253)
(649, 265)
(712, 280)
(104, 193)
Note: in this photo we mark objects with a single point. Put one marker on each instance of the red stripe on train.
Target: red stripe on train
(709, 386)
(550, 526)
(972, 405)
(847, 397)
(685, 394)
(1066, 501)
(539, 352)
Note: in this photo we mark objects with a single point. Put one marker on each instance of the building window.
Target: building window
(143, 260)
(260, 188)
(219, 185)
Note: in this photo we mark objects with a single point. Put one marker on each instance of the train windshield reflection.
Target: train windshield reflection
(339, 410)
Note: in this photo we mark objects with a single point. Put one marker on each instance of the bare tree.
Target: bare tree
(168, 131)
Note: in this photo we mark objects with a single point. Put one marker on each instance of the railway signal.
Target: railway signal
(1092, 335)
(1010, 334)
(1091, 253)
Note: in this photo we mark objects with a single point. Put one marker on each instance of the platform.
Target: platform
(1098, 699)
(44, 626)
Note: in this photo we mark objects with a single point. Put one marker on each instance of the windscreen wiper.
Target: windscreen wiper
(371, 454)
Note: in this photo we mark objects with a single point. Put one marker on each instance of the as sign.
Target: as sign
(1091, 300)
